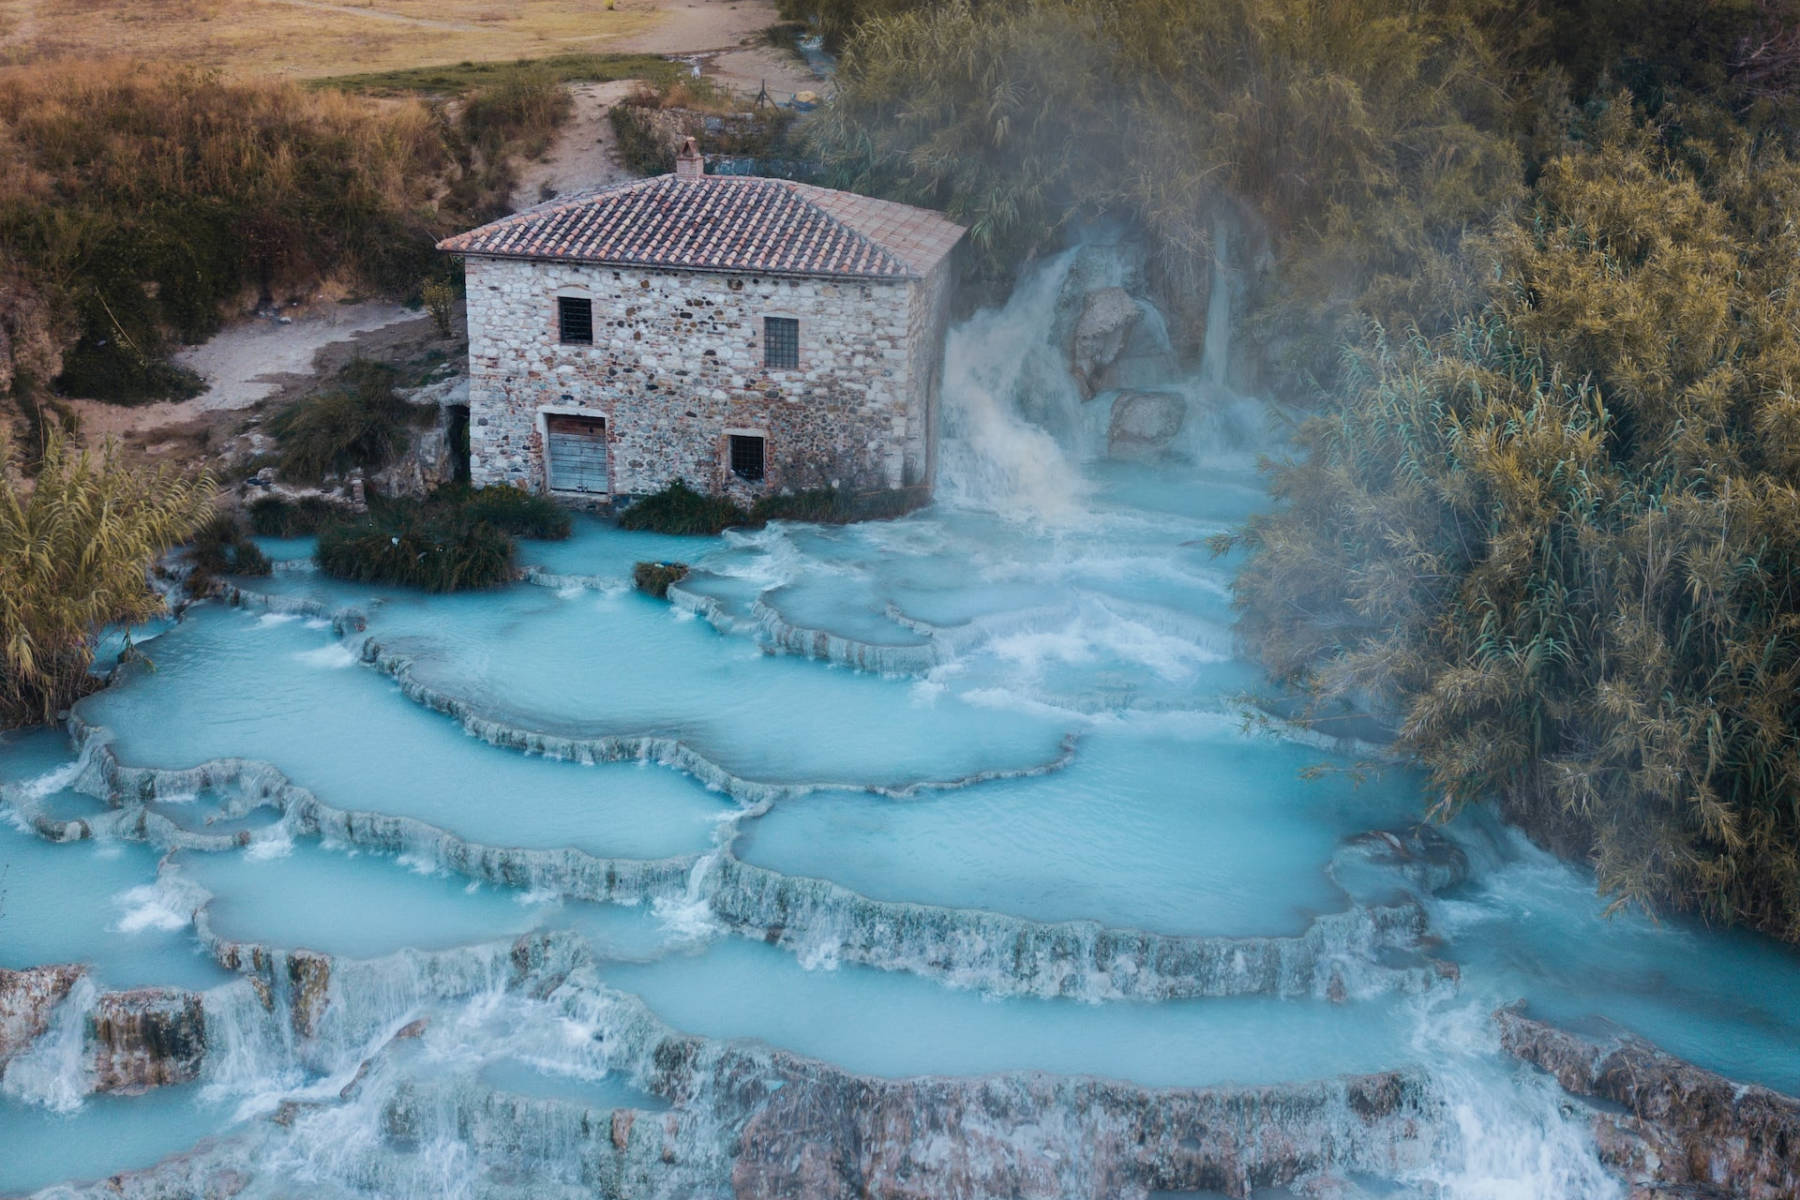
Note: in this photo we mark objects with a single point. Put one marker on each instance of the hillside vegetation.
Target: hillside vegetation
(142, 204)
(1562, 541)
(1533, 269)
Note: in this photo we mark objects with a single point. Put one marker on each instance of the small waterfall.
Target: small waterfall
(993, 458)
(1215, 358)
(1510, 1133)
(54, 1072)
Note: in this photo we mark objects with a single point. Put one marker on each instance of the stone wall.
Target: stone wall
(677, 365)
(927, 325)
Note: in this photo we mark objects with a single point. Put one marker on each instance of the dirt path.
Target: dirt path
(584, 155)
(725, 38)
(377, 14)
(239, 360)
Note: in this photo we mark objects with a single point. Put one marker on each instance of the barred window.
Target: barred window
(747, 457)
(575, 320)
(781, 342)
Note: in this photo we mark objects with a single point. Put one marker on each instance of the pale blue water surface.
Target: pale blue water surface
(1055, 725)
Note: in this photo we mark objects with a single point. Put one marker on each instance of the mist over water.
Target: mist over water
(974, 791)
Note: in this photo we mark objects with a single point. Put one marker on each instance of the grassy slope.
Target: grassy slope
(448, 79)
(303, 39)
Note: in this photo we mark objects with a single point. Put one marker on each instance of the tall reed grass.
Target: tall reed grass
(74, 544)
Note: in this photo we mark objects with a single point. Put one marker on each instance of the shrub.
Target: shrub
(655, 578)
(650, 123)
(222, 547)
(458, 539)
(272, 516)
(75, 547)
(521, 110)
(361, 422)
(407, 545)
(1354, 143)
(1562, 541)
(510, 509)
(641, 151)
(837, 19)
(439, 298)
(459, 79)
(679, 509)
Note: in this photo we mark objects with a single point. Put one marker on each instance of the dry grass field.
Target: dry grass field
(302, 39)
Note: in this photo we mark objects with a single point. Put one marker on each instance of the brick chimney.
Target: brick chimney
(688, 163)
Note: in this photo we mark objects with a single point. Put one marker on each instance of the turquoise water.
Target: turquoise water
(357, 905)
(621, 664)
(283, 690)
(1527, 927)
(288, 549)
(95, 902)
(1054, 725)
(896, 1025)
(604, 554)
(106, 1135)
(1193, 831)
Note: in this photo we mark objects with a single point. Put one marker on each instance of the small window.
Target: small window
(575, 320)
(747, 457)
(781, 342)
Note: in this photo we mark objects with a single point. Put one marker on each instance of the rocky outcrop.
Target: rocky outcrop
(309, 975)
(1030, 1136)
(1107, 319)
(1144, 425)
(1684, 1130)
(146, 1038)
(27, 998)
(429, 461)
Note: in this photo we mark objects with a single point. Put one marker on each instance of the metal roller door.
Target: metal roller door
(577, 454)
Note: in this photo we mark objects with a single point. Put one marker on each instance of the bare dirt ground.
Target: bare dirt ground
(243, 365)
(584, 154)
(303, 39)
(723, 37)
(254, 368)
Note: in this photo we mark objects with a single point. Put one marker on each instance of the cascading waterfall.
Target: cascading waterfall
(538, 892)
(1215, 354)
(992, 458)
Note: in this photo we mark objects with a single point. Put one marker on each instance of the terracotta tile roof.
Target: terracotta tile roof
(723, 223)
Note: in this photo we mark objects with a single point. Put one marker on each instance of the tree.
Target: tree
(1561, 544)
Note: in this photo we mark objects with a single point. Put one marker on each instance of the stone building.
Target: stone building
(743, 335)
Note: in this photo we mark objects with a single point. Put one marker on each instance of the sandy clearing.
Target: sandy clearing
(238, 361)
(376, 14)
(246, 364)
